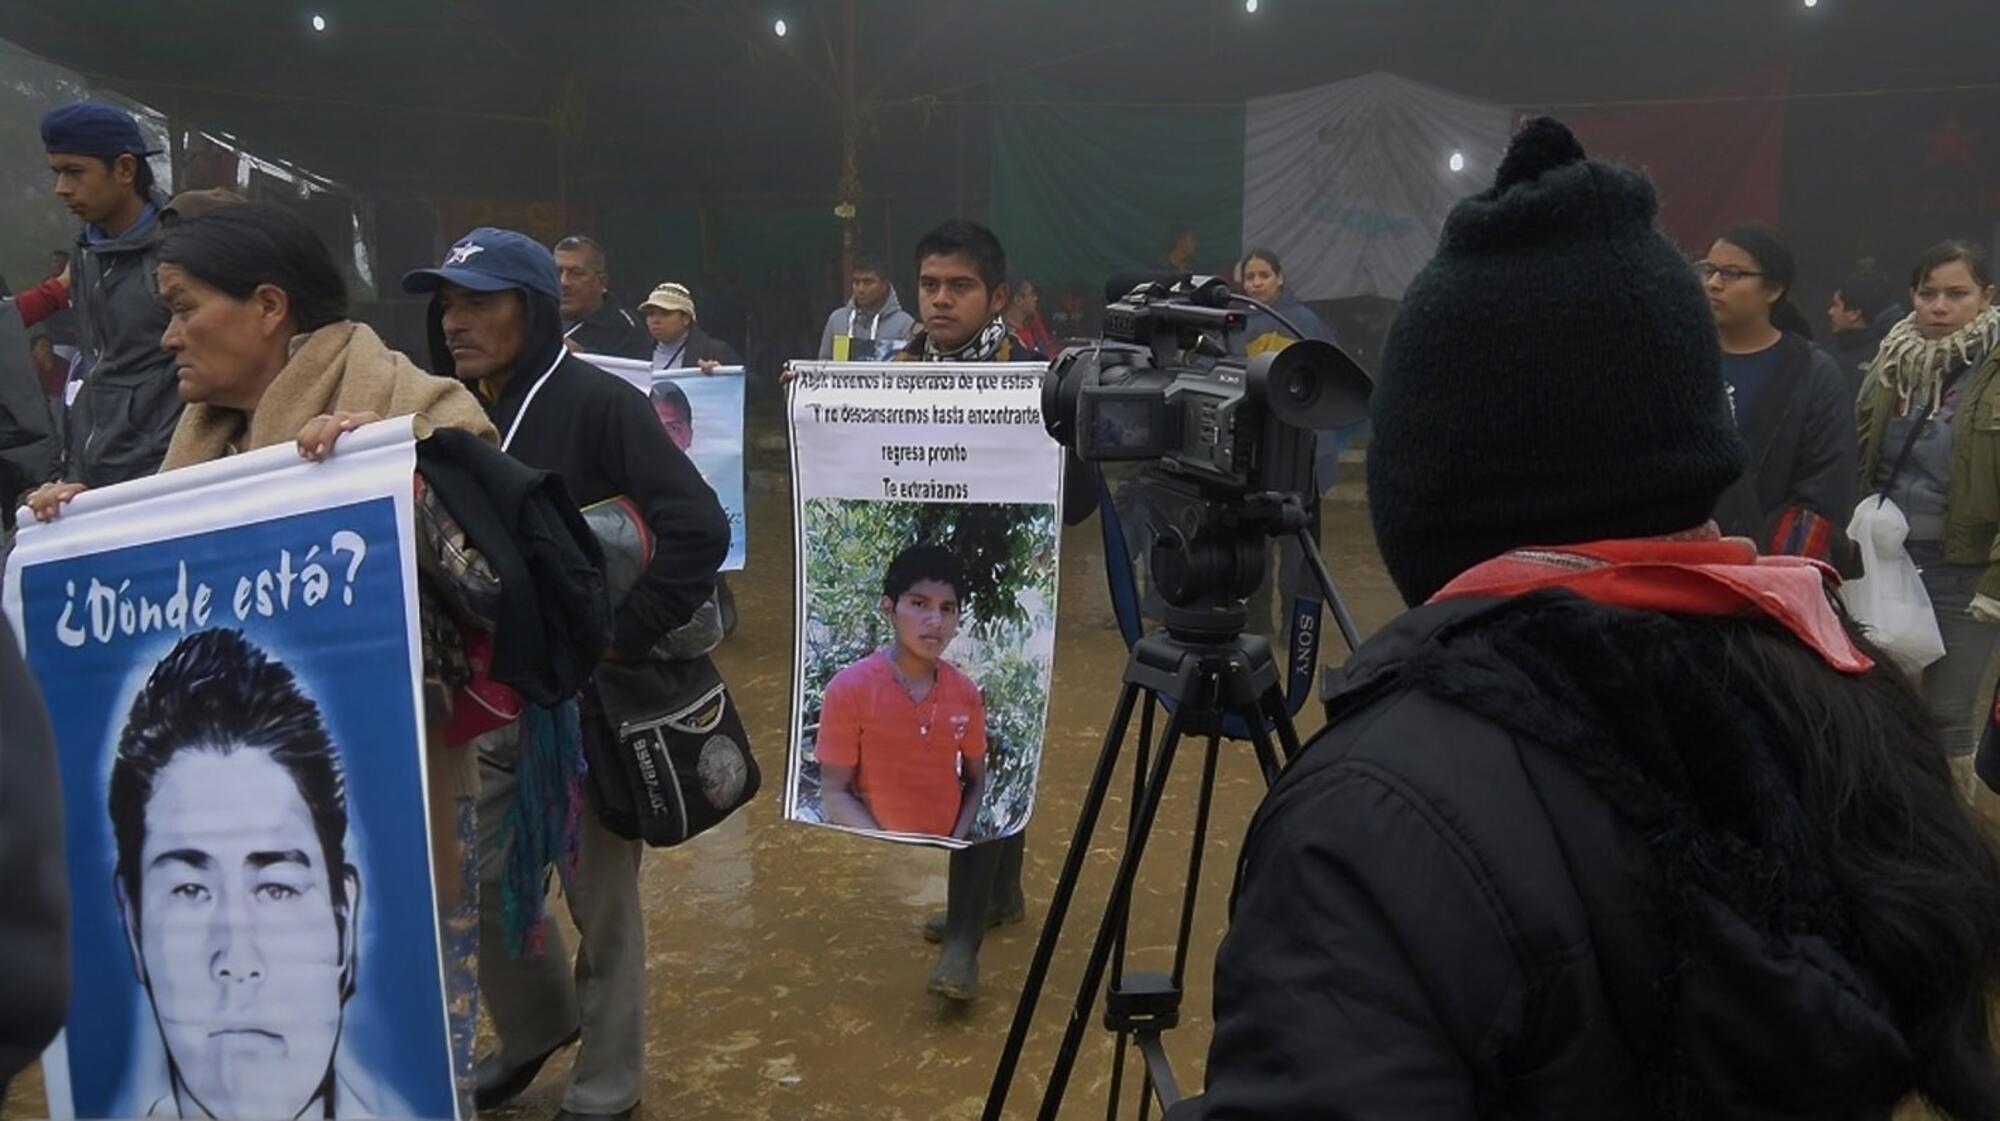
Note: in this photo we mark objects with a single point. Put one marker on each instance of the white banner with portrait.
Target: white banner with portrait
(231, 659)
(702, 412)
(928, 535)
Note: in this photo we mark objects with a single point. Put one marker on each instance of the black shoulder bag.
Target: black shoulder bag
(666, 754)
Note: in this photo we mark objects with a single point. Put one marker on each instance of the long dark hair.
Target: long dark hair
(1780, 267)
(1811, 802)
(240, 247)
(1918, 871)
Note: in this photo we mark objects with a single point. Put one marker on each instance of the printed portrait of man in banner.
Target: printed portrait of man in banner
(236, 715)
(928, 548)
(703, 415)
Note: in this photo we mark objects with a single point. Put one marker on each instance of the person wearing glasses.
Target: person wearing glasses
(1790, 400)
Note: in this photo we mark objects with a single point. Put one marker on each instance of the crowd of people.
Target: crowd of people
(1624, 818)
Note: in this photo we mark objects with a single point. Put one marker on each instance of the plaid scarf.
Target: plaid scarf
(982, 347)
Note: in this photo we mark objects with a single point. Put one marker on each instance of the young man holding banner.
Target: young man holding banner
(495, 325)
(961, 294)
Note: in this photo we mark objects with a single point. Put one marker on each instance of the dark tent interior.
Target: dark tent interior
(700, 145)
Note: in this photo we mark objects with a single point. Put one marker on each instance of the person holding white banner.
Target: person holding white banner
(266, 355)
(677, 342)
(494, 323)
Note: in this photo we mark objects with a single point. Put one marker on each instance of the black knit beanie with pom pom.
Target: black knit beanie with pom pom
(1552, 377)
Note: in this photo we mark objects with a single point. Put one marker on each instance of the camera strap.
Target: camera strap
(1122, 581)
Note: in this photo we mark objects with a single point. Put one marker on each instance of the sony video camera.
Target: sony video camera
(1227, 440)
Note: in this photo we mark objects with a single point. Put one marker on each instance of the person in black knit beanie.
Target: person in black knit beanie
(1624, 821)
(1551, 377)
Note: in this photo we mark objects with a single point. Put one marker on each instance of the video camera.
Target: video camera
(1228, 439)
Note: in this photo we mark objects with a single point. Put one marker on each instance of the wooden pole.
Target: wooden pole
(850, 138)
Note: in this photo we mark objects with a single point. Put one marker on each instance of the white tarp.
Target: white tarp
(1350, 183)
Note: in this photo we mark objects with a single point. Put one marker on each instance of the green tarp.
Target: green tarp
(1082, 191)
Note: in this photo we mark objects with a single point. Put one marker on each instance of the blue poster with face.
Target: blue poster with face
(231, 671)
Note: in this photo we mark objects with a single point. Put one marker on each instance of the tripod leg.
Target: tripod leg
(1114, 914)
(1117, 1077)
(1288, 733)
(1045, 946)
(1349, 633)
(1273, 707)
(1194, 856)
(1142, 759)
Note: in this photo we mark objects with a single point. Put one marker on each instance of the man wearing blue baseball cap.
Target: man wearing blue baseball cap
(496, 324)
(124, 412)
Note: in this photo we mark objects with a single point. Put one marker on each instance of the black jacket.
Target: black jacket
(554, 616)
(34, 924)
(701, 347)
(1539, 865)
(603, 438)
(1803, 448)
(612, 331)
(27, 436)
(125, 413)
(1854, 351)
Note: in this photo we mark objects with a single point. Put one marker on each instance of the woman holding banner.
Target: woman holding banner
(266, 355)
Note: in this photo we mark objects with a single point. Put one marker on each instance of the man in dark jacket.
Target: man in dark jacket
(591, 324)
(34, 925)
(1509, 878)
(679, 343)
(1798, 492)
(1863, 309)
(129, 400)
(494, 324)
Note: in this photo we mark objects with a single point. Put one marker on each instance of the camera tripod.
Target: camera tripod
(1202, 670)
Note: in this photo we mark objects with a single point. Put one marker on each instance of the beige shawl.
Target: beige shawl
(342, 367)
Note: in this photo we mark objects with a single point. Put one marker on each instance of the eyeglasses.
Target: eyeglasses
(1730, 274)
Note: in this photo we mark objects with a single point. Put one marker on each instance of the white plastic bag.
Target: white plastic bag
(1890, 600)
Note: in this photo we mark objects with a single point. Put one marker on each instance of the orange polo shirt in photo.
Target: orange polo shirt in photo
(904, 754)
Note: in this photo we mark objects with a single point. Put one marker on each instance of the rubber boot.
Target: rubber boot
(968, 907)
(1009, 904)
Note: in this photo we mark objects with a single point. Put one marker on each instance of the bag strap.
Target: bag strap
(1903, 457)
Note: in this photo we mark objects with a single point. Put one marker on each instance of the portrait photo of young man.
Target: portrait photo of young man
(902, 732)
